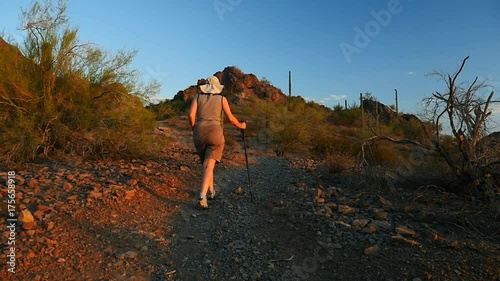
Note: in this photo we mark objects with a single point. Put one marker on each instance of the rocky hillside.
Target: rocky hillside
(238, 86)
(384, 113)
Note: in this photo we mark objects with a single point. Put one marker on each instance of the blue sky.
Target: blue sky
(335, 49)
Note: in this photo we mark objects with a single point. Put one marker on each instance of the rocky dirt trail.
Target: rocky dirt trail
(237, 239)
(135, 220)
(297, 228)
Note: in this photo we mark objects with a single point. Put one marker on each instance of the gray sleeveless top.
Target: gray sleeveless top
(209, 109)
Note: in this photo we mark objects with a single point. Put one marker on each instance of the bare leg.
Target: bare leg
(211, 186)
(208, 177)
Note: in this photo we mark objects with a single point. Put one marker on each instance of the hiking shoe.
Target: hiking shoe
(202, 204)
(211, 196)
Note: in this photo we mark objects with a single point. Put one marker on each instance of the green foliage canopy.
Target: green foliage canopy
(60, 96)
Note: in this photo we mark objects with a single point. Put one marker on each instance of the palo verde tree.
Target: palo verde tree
(62, 95)
(465, 108)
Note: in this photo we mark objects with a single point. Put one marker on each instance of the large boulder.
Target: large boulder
(372, 107)
(385, 113)
(238, 87)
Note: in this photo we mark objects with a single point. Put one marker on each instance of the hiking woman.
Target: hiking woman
(205, 118)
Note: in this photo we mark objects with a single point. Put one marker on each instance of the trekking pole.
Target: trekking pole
(246, 160)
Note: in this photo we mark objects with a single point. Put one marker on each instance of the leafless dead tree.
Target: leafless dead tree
(466, 110)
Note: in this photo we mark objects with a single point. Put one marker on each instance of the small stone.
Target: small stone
(129, 194)
(51, 241)
(61, 260)
(108, 250)
(346, 210)
(381, 225)
(371, 250)
(343, 224)
(409, 209)
(319, 201)
(185, 169)
(386, 203)
(328, 212)
(132, 182)
(131, 254)
(50, 225)
(43, 208)
(400, 239)
(380, 214)
(239, 191)
(27, 219)
(71, 178)
(38, 215)
(359, 223)
(85, 176)
(67, 186)
(33, 183)
(369, 229)
(95, 194)
(331, 205)
(115, 187)
(405, 231)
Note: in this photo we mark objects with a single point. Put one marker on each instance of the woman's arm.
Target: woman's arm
(230, 116)
(192, 112)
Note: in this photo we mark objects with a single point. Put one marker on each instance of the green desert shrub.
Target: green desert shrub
(168, 109)
(289, 134)
(350, 117)
(338, 161)
(339, 151)
(410, 129)
(59, 96)
(381, 153)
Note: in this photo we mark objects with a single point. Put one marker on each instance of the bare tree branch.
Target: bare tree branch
(467, 113)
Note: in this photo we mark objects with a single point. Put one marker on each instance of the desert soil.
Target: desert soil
(135, 220)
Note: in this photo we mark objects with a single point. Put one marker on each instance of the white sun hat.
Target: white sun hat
(212, 87)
